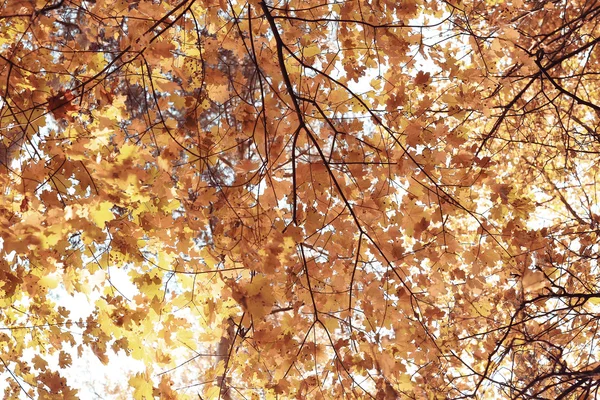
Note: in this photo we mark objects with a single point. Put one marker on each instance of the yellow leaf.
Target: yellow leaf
(405, 384)
(212, 392)
(142, 387)
(102, 214)
(126, 152)
(311, 51)
(49, 281)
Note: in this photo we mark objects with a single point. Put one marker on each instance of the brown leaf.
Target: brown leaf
(61, 105)
(422, 78)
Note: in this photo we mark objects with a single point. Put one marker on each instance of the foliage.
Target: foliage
(361, 198)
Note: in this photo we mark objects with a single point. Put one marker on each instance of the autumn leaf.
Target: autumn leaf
(422, 78)
(533, 280)
(24, 205)
(61, 105)
(362, 199)
(39, 363)
(142, 387)
(64, 359)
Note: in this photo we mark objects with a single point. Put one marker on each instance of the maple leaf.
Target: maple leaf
(281, 196)
(533, 280)
(24, 205)
(64, 359)
(422, 78)
(61, 105)
(39, 363)
(142, 386)
(53, 381)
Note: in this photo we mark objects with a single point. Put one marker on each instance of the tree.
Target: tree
(371, 199)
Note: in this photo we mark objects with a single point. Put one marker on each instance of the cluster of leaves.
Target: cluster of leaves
(361, 198)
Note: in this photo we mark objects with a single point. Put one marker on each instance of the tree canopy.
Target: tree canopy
(301, 199)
